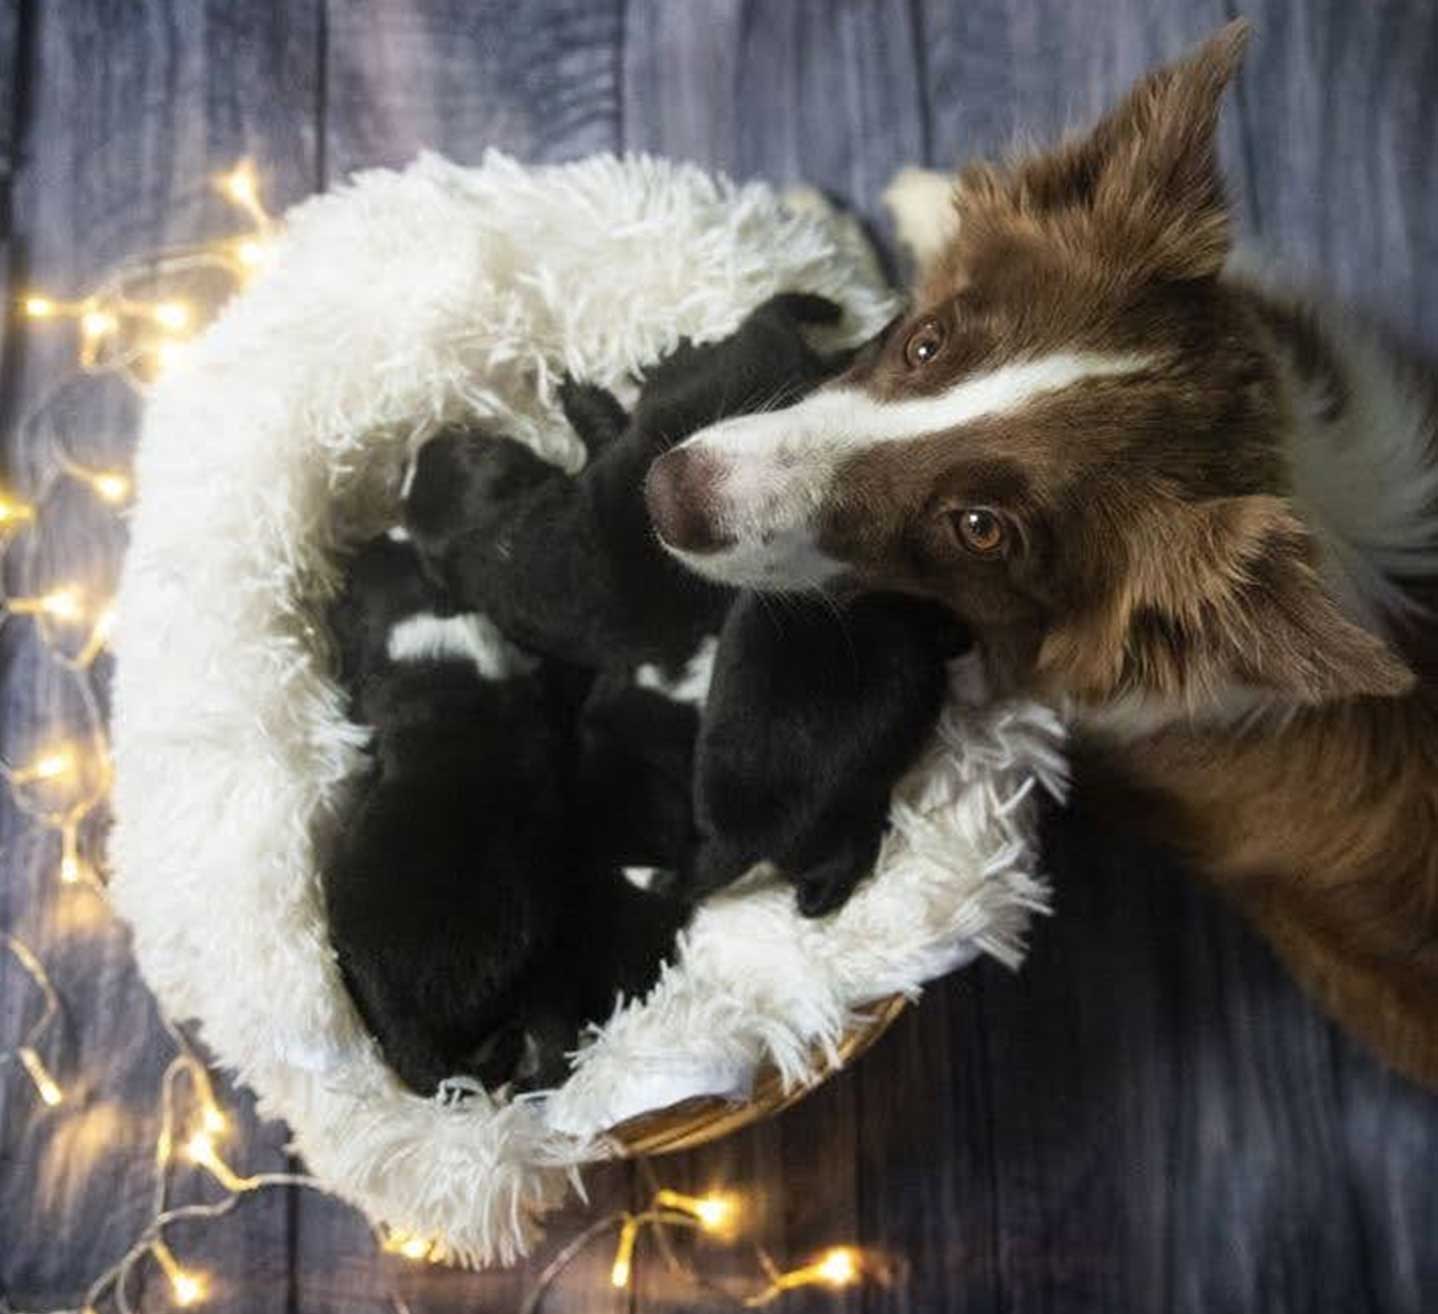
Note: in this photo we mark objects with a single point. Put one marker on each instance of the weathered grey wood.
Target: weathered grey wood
(926, 1156)
(998, 72)
(537, 80)
(9, 84)
(810, 91)
(1149, 1117)
(10, 101)
(1340, 109)
(129, 111)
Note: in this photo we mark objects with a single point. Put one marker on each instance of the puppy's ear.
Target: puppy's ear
(1145, 182)
(1198, 598)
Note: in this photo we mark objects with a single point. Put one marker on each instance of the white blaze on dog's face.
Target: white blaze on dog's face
(1075, 440)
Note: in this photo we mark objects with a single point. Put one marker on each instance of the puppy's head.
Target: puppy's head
(1074, 439)
(466, 480)
(384, 583)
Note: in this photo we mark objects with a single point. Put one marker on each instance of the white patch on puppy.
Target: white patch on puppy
(692, 686)
(427, 638)
(640, 877)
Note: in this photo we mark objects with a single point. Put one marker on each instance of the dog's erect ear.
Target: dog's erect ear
(1146, 179)
(1213, 596)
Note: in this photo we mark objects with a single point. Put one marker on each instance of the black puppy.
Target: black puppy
(816, 709)
(479, 914)
(446, 884)
(569, 565)
(798, 756)
(636, 767)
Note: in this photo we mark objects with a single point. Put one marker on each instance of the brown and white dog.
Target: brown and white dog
(1199, 515)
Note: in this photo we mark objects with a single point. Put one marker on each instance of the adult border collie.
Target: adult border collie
(1199, 514)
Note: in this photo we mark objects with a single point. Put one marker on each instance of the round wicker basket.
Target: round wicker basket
(692, 1123)
(387, 309)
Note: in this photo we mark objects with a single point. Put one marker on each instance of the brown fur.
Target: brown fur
(1154, 553)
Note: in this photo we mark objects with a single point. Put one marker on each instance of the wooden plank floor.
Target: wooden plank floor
(1148, 1118)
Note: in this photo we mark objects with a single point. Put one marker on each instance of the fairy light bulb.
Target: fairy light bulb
(40, 307)
(13, 512)
(623, 1268)
(98, 323)
(408, 1244)
(72, 871)
(189, 1288)
(714, 1213)
(45, 1085)
(239, 183)
(214, 1121)
(839, 1267)
(173, 315)
(200, 1150)
(241, 188)
(112, 487)
(251, 254)
(52, 766)
(63, 604)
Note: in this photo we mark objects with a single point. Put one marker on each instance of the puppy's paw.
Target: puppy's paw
(457, 1091)
(594, 413)
(826, 888)
(796, 308)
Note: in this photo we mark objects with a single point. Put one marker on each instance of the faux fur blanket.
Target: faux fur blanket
(395, 305)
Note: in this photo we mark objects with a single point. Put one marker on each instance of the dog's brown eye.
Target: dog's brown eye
(979, 529)
(924, 343)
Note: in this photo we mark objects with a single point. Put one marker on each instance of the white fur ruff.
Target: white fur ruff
(393, 306)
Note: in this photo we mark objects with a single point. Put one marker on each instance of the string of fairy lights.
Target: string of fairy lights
(123, 331)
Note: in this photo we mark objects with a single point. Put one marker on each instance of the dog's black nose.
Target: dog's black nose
(682, 494)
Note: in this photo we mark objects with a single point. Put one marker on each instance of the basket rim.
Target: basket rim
(705, 1118)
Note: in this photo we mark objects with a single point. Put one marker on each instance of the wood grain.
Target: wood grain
(1340, 105)
(1149, 1117)
(537, 80)
(129, 108)
(760, 90)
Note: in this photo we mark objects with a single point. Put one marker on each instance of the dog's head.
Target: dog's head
(1074, 439)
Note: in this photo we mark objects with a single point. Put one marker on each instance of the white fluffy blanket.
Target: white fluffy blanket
(394, 305)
